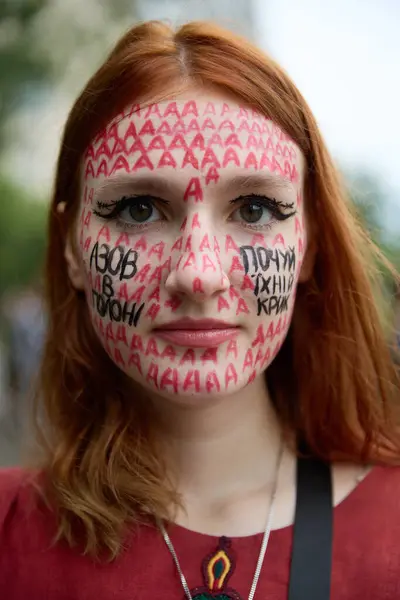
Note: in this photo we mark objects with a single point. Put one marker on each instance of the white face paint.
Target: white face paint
(192, 237)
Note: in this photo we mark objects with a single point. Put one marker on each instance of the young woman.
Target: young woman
(211, 318)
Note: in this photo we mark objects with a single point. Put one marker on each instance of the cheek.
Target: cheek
(271, 276)
(272, 272)
(124, 274)
(110, 269)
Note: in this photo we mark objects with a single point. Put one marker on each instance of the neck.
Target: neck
(221, 449)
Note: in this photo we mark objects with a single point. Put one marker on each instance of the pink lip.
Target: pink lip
(197, 333)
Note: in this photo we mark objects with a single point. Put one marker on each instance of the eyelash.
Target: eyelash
(275, 207)
(117, 206)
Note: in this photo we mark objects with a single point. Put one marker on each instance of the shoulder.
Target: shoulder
(378, 494)
(366, 536)
(19, 502)
(381, 493)
(11, 477)
(380, 486)
(12, 483)
(27, 528)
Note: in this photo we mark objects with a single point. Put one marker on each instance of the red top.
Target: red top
(366, 557)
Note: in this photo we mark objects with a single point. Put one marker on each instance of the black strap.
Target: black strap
(310, 571)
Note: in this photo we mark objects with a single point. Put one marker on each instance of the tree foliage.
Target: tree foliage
(22, 237)
(21, 67)
(370, 200)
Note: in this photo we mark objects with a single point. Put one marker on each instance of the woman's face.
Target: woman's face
(191, 236)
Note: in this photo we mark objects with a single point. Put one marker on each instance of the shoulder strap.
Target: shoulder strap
(310, 571)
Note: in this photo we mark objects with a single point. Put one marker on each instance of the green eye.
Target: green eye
(140, 211)
(255, 210)
(132, 210)
(251, 213)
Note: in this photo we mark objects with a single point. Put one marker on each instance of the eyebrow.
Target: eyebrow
(159, 184)
(149, 183)
(257, 181)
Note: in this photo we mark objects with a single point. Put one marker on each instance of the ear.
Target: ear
(74, 266)
(308, 263)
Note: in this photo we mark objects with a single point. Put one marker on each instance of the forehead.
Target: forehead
(203, 133)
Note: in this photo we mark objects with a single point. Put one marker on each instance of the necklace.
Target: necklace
(264, 542)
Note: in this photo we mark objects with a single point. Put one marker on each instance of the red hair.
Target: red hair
(333, 381)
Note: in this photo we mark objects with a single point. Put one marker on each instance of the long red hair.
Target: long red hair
(333, 381)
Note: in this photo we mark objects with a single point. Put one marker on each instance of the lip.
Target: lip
(197, 333)
(195, 324)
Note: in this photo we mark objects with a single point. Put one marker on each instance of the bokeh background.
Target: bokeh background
(343, 55)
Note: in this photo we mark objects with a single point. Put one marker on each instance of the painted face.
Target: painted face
(192, 236)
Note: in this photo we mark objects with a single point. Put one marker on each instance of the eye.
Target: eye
(140, 211)
(131, 211)
(260, 211)
(252, 212)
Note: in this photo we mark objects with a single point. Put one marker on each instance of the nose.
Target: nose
(198, 275)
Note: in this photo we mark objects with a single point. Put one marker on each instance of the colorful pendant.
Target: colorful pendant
(217, 568)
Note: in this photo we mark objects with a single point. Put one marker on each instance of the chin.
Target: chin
(192, 399)
(192, 384)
